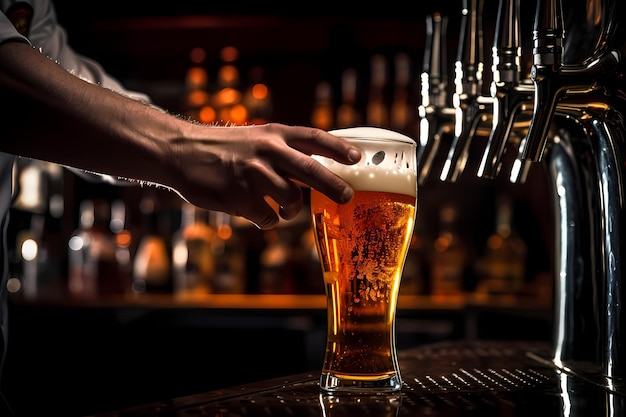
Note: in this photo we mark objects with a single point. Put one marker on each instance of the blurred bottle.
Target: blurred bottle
(323, 108)
(193, 260)
(257, 98)
(307, 264)
(502, 267)
(230, 256)
(403, 113)
(197, 100)
(276, 268)
(35, 247)
(123, 242)
(348, 114)
(227, 99)
(93, 265)
(32, 185)
(377, 113)
(33, 257)
(152, 263)
(448, 256)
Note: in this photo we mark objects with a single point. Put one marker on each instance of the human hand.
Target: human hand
(242, 170)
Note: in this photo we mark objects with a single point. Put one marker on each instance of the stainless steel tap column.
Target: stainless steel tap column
(578, 129)
(573, 117)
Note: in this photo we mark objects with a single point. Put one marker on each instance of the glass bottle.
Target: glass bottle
(152, 263)
(448, 256)
(377, 113)
(502, 267)
(276, 269)
(193, 260)
(33, 256)
(347, 113)
(403, 114)
(257, 98)
(230, 256)
(322, 113)
(93, 266)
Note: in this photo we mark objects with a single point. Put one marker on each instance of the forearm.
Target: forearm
(60, 118)
(54, 116)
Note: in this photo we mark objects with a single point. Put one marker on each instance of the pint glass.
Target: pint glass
(362, 247)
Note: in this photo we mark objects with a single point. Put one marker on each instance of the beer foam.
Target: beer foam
(368, 132)
(388, 161)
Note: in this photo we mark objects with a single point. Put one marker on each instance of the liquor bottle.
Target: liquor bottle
(323, 109)
(230, 256)
(93, 265)
(193, 261)
(227, 99)
(502, 266)
(152, 262)
(377, 113)
(123, 241)
(403, 113)
(276, 269)
(348, 114)
(448, 256)
(257, 98)
(33, 256)
(307, 264)
(196, 99)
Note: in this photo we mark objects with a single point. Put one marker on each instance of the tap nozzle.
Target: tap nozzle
(469, 106)
(433, 111)
(510, 96)
(548, 37)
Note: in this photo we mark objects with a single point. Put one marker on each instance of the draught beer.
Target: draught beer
(362, 247)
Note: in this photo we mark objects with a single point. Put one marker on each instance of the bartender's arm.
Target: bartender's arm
(55, 116)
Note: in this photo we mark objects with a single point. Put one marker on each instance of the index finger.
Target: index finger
(319, 142)
(305, 170)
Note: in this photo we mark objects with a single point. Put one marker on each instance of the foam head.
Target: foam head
(388, 161)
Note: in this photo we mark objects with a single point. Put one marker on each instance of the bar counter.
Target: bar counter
(449, 378)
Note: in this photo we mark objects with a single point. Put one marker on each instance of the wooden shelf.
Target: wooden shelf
(295, 302)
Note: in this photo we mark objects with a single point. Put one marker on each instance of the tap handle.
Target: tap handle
(469, 61)
(548, 37)
(434, 74)
(468, 88)
(434, 92)
(507, 50)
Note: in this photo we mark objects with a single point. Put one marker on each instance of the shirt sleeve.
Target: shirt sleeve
(8, 31)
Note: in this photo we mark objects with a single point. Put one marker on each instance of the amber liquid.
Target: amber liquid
(362, 247)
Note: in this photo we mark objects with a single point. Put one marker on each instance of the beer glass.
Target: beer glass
(362, 247)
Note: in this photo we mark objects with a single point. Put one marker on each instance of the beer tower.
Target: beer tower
(569, 116)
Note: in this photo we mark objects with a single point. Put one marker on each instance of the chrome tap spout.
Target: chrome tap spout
(510, 95)
(436, 117)
(471, 107)
(555, 81)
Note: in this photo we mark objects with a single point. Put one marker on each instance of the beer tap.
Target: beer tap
(436, 117)
(578, 131)
(573, 110)
(511, 95)
(470, 106)
(553, 80)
